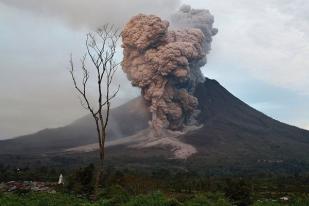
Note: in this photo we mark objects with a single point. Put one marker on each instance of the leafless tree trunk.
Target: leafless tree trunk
(101, 49)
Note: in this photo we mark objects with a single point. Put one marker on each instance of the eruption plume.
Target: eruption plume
(165, 64)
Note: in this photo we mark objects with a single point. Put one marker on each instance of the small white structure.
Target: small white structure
(284, 198)
(60, 181)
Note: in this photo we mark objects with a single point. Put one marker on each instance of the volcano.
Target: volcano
(230, 133)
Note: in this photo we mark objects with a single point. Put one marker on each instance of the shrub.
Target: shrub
(155, 199)
(239, 191)
(116, 194)
(210, 199)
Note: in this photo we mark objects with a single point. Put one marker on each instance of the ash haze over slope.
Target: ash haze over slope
(94, 13)
(37, 37)
(260, 55)
(166, 64)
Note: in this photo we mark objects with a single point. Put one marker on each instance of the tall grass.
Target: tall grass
(122, 199)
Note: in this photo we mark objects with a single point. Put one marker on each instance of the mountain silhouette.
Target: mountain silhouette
(230, 132)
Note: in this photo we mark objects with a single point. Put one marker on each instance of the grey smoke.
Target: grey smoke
(94, 13)
(187, 18)
(165, 64)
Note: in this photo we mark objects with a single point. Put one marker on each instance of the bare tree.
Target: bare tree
(101, 49)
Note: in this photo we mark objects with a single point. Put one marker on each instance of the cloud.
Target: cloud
(35, 85)
(94, 13)
(266, 40)
(269, 38)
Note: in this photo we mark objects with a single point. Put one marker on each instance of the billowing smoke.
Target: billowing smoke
(165, 63)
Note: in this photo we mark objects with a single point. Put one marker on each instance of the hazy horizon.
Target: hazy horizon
(259, 55)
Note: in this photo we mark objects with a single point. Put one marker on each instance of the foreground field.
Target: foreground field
(139, 188)
(154, 199)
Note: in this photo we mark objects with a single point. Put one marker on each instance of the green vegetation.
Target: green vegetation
(40, 199)
(153, 199)
(293, 202)
(130, 187)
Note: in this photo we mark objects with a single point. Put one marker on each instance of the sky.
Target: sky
(260, 54)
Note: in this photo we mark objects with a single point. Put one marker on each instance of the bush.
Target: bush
(210, 199)
(155, 199)
(293, 202)
(40, 199)
(266, 203)
(116, 194)
(239, 191)
(82, 181)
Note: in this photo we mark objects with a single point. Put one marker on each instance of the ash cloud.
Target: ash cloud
(94, 13)
(166, 64)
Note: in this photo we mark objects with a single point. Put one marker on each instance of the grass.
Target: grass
(153, 199)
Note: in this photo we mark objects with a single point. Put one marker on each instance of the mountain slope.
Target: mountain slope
(232, 130)
(124, 120)
(232, 133)
(231, 127)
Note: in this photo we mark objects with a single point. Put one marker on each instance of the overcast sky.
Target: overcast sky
(261, 55)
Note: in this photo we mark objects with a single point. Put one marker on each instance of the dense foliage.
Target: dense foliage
(131, 187)
(153, 199)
